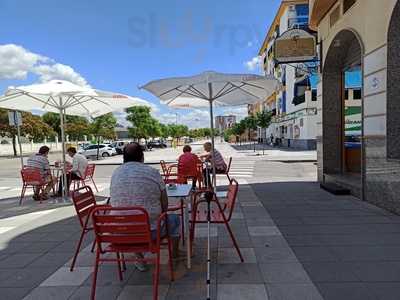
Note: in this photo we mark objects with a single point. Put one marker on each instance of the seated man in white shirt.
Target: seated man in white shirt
(136, 184)
(77, 172)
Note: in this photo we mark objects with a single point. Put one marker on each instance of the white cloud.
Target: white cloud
(17, 62)
(253, 64)
(59, 71)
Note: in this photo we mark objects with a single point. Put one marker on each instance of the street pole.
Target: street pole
(19, 142)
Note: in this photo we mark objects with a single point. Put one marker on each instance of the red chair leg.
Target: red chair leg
(93, 245)
(78, 248)
(183, 223)
(119, 266)
(94, 184)
(96, 268)
(156, 276)
(234, 241)
(22, 194)
(171, 270)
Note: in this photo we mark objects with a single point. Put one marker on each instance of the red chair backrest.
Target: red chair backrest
(89, 172)
(31, 176)
(231, 197)
(122, 225)
(229, 164)
(164, 167)
(84, 203)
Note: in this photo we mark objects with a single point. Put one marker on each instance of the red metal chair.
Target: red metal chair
(127, 230)
(84, 203)
(169, 172)
(87, 177)
(31, 177)
(228, 169)
(220, 214)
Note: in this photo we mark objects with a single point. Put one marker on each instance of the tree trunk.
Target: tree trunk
(14, 145)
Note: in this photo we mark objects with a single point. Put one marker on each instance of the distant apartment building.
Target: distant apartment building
(224, 122)
(294, 106)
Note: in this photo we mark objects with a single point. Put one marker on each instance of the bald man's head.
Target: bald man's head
(133, 152)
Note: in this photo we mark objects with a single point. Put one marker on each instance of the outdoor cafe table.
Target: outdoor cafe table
(182, 192)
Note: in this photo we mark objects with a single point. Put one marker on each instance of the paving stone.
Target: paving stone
(230, 255)
(269, 255)
(331, 271)
(269, 241)
(102, 293)
(291, 272)
(313, 253)
(51, 259)
(239, 273)
(378, 271)
(345, 290)
(19, 260)
(14, 293)
(263, 230)
(367, 253)
(226, 241)
(108, 275)
(385, 290)
(260, 222)
(50, 293)
(64, 277)
(203, 232)
(192, 292)
(26, 278)
(298, 291)
(241, 291)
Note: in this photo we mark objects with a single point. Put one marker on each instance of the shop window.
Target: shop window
(357, 94)
(301, 122)
(314, 95)
(347, 4)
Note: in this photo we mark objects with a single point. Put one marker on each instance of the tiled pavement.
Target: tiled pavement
(298, 242)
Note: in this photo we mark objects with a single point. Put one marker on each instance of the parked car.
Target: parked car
(156, 144)
(104, 150)
(119, 146)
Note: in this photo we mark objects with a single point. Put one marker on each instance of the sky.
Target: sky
(122, 44)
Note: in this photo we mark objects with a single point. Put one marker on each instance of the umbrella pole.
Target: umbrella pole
(214, 188)
(64, 174)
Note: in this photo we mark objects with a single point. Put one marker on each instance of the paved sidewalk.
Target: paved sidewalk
(298, 241)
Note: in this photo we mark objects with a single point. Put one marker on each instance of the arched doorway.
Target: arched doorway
(342, 112)
(393, 86)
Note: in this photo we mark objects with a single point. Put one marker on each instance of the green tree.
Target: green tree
(251, 125)
(141, 120)
(238, 129)
(264, 119)
(103, 126)
(32, 127)
(76, 127)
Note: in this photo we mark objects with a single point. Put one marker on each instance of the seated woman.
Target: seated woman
(220, 165)
(187, 165)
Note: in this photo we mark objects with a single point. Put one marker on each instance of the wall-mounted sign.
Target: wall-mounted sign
(295, 45)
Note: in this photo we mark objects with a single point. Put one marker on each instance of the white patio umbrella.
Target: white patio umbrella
(206, 90)
(65, 98)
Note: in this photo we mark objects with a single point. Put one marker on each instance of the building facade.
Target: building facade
(359, 41)
(224, 122)
(294, 107)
